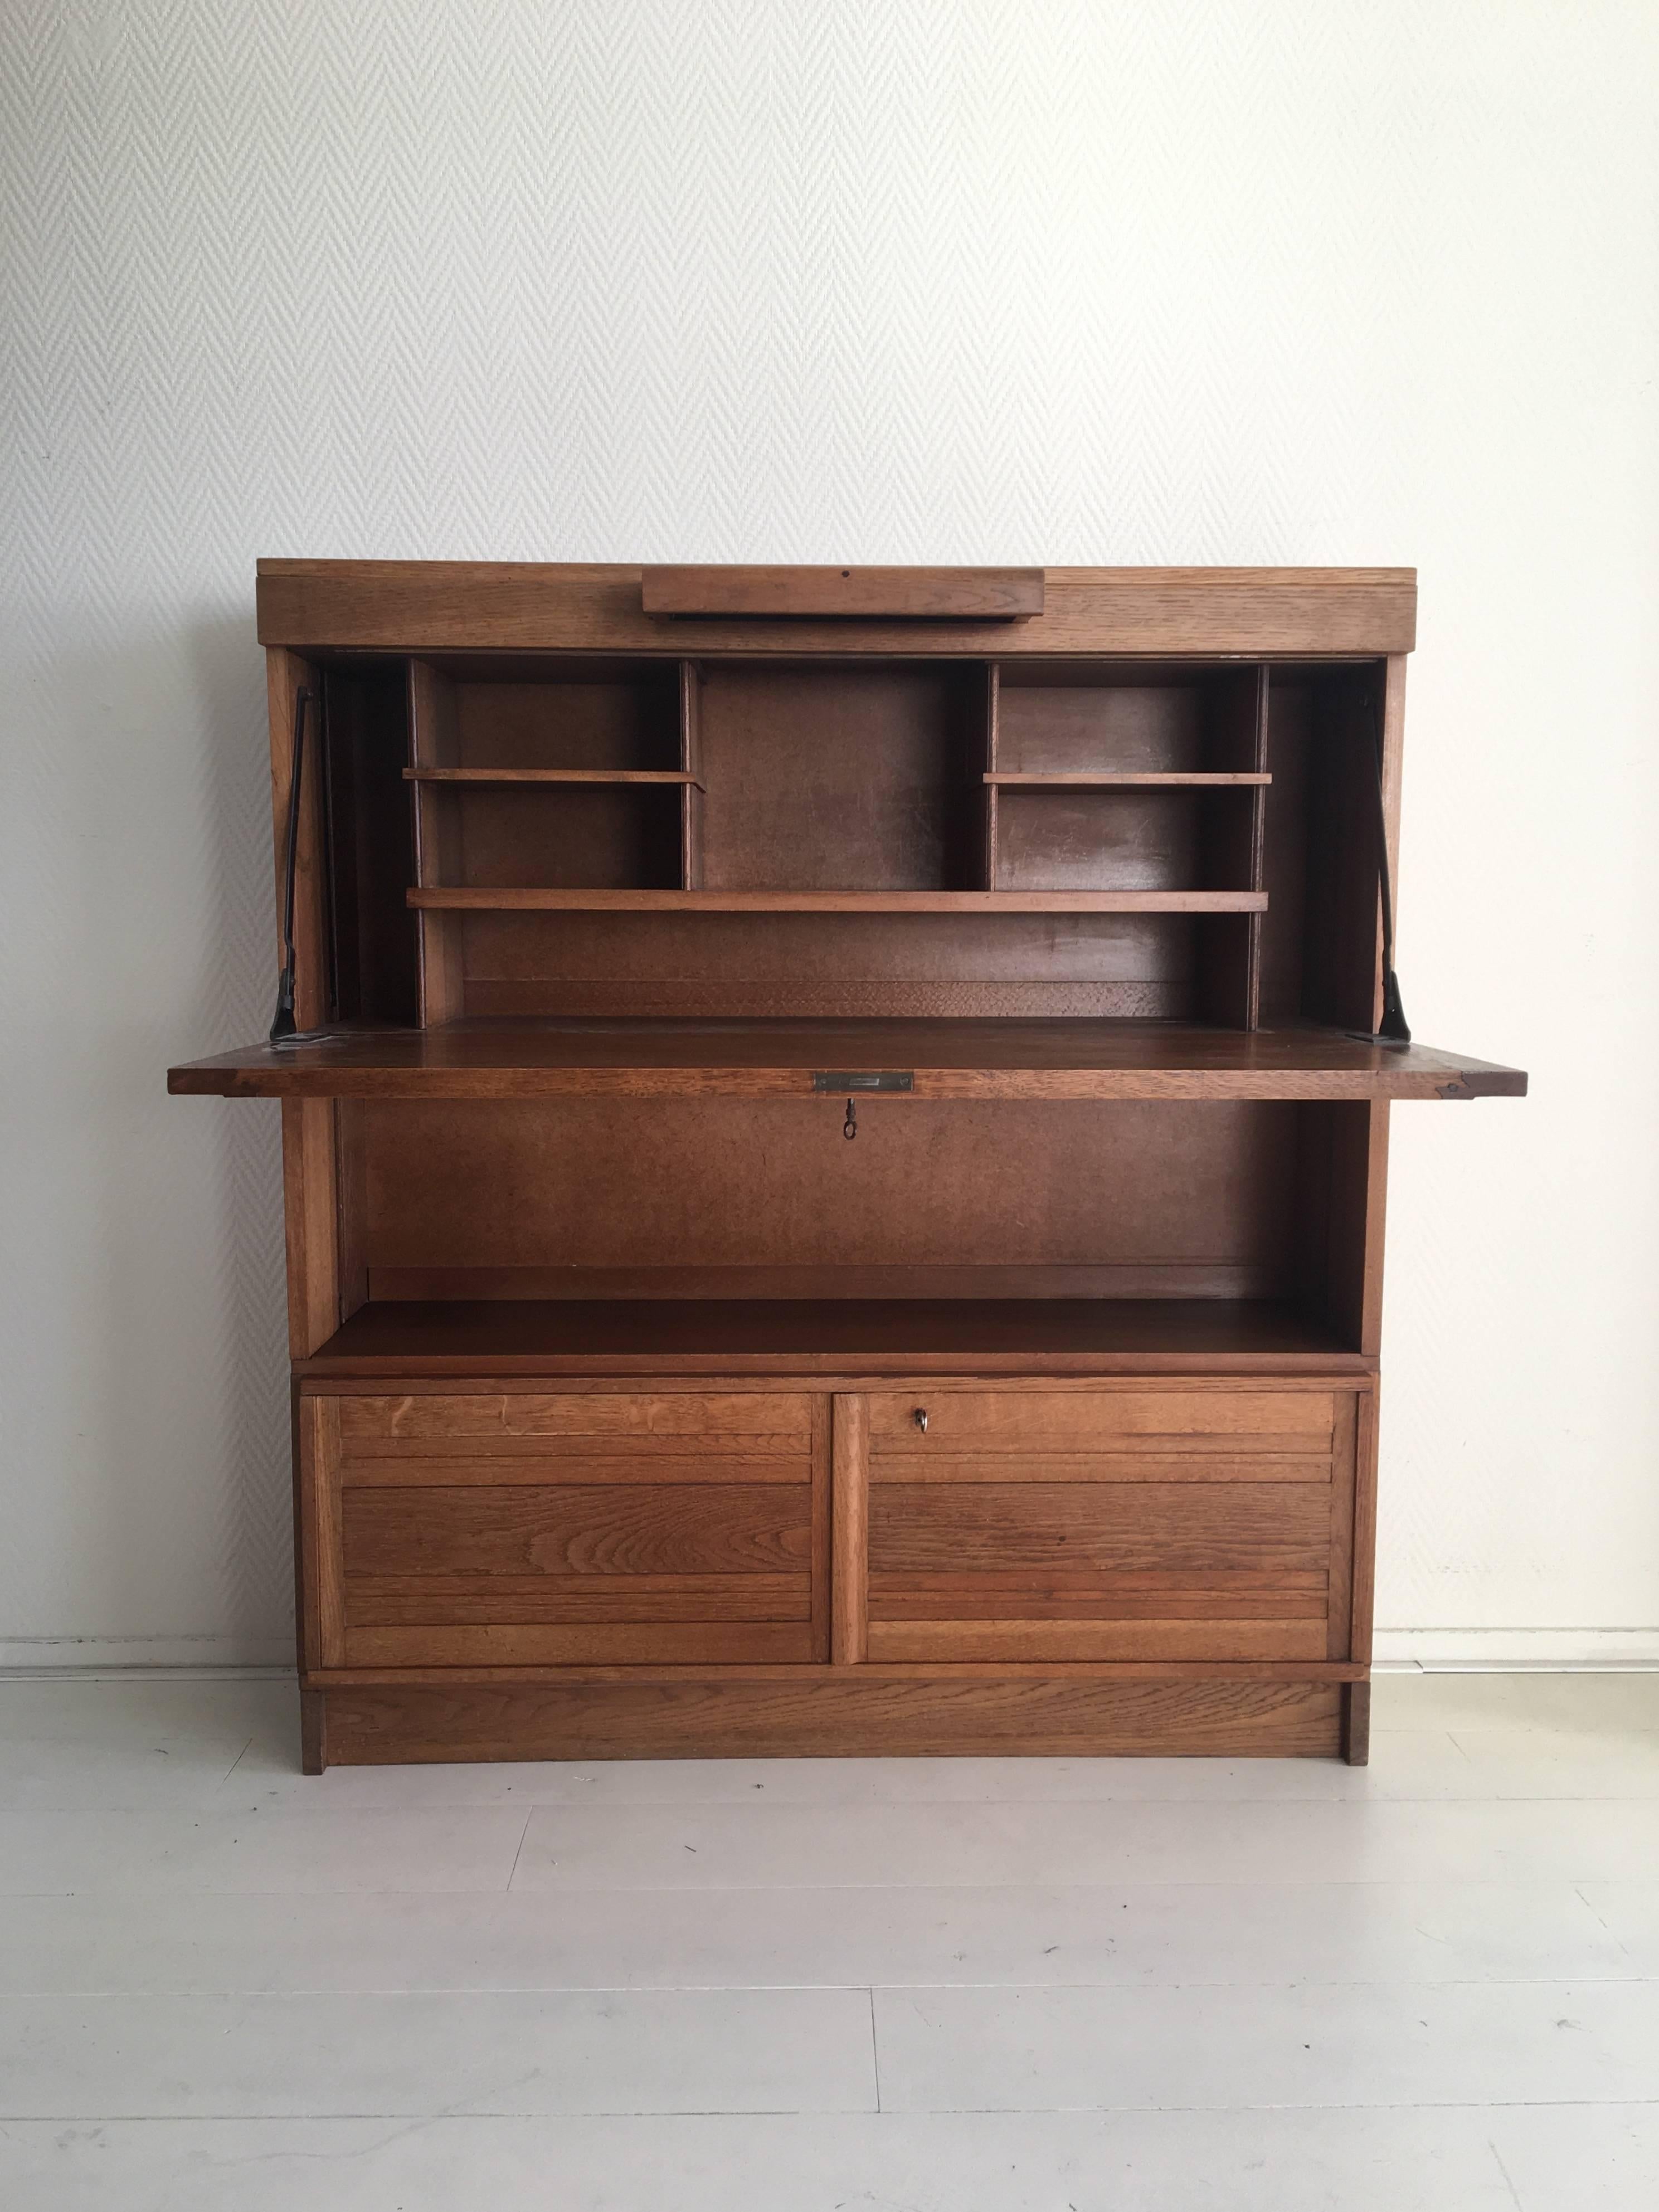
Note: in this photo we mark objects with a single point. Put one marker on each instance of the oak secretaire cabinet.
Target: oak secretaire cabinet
(835, 1152)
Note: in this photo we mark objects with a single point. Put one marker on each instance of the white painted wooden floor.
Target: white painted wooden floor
(1431, 1986)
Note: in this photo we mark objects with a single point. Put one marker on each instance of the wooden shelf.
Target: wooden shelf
(467, 899)
(549, 775)
(822, 1335)
(944, 1058)
(1125, 781)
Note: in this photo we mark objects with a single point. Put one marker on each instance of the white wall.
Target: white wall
(1247, 281)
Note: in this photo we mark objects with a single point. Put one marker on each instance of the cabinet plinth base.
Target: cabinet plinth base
(838, 1715)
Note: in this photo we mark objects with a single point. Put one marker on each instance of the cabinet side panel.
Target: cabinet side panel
(1339, 1619)
(1360, 1169)
(1364, 1528)
(351, 1174)
(311, 1209)
(434, 742)
(1394, 755)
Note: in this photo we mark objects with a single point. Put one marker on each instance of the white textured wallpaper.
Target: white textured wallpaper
(1003, 281)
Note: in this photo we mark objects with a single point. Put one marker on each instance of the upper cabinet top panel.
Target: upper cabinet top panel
(525, 606)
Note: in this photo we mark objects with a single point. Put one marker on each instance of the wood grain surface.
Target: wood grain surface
(950, 1059)
(432, 1346)
(847, 1712)
(415, 605)
(926, 594)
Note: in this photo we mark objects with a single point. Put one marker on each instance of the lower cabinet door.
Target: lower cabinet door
(1108, 1524)
(592, 1528)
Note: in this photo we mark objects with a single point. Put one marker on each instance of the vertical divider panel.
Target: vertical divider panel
(850, 1526)
(691, 764)
(1258, 850)
(322, 1619)
(1233, 844)
(434, 742)
(993, 713)
(823, 1524)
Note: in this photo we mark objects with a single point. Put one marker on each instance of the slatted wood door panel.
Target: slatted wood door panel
(572, 1528)
(1129, 1523)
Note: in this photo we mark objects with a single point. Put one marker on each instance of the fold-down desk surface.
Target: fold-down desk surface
(933, 1059)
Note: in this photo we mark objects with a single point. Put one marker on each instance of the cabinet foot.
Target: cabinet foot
(313, 1731)
(1357, 1723)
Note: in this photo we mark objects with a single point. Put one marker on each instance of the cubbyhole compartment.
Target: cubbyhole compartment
(371, 948)
(611, 1196)
(1321, 941)
(856, 777)
(1118, 720)
(1177, 1231)
(550, 775)
(590, 836)
(1121, 778)
(744, 838)
(560, 715)
(532, 774)
(1137, 778)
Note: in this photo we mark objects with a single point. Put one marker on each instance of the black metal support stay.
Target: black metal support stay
(282, 1030)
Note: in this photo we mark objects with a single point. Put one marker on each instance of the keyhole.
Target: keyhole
(849, 1128)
